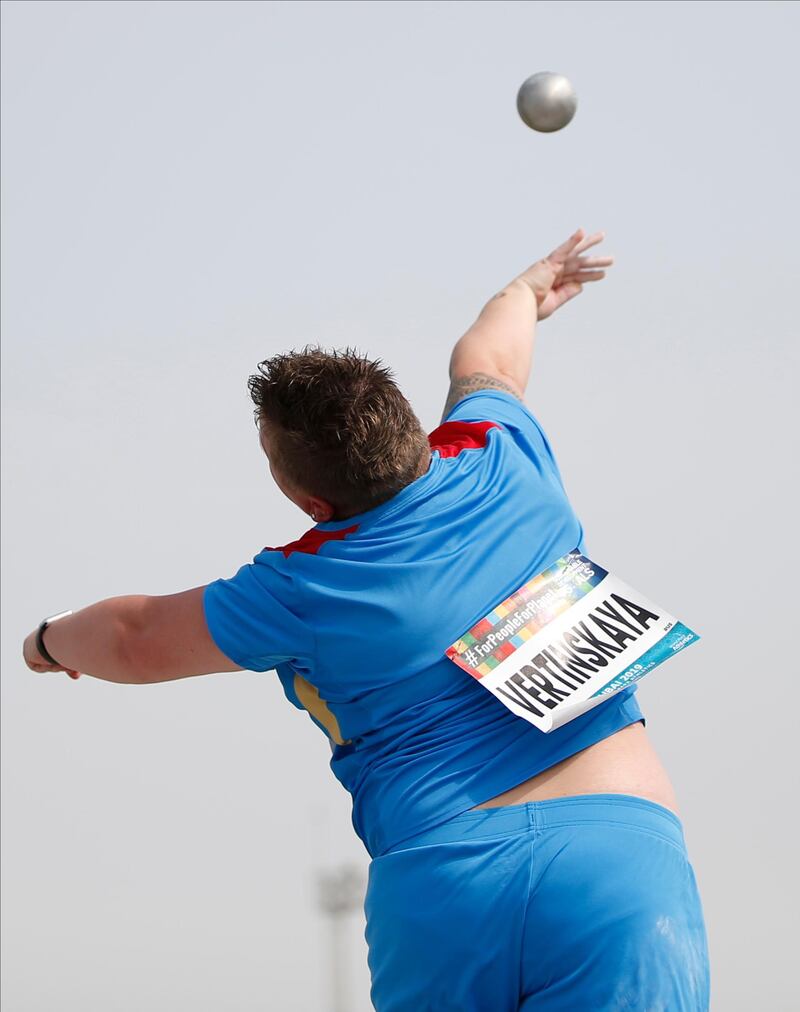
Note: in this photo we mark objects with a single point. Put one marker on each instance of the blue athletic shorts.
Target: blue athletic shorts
(585, 903)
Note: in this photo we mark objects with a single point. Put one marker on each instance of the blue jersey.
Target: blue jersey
(357, 614)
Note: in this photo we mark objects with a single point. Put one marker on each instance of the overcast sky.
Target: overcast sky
(189, 188)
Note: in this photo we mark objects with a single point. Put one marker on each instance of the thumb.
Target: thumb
(568, 291)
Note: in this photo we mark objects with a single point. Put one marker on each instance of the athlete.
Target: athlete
(510, 869)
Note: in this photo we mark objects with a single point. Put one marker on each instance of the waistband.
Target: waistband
(627, 809)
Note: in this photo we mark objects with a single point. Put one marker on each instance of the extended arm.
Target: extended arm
(135, 639)
(497, 350)
(499, 344)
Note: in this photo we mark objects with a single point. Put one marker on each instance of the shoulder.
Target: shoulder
(508, 411)
(309, 543)
(450, 438)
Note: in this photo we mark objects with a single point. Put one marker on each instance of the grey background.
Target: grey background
(191, 187)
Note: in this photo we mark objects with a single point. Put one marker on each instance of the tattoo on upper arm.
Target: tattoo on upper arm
(464, 385)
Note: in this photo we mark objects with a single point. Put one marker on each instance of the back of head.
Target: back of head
(342, 429)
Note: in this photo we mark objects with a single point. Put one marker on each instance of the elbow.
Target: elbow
(131, 653)
(130, 668)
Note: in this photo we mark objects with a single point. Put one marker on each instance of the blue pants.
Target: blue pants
(585, 903)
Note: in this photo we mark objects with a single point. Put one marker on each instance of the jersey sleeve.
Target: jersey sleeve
(252, 621)
(499, 406)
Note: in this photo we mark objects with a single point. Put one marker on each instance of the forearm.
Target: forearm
(97, 640)
(502, 337)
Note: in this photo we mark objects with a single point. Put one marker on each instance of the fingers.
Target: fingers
(560, 253)
(580, 263)
(577, 243)
(590, 240)
(42, 669)
(581, 276)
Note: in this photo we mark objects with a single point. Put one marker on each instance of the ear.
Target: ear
(320, 510)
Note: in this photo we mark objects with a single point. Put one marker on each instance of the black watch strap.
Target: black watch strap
(40, 637)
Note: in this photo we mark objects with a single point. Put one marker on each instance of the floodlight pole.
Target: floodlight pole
(340, 892)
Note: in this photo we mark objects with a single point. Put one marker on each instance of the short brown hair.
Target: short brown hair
(343, 430)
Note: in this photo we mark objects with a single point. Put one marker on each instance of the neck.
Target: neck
(425, 463)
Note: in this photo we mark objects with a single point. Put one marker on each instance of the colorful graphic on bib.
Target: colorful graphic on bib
(529, 609)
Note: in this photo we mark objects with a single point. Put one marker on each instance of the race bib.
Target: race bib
(567, 640)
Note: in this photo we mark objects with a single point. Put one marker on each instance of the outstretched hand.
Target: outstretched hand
(560, 275)
(37, 663)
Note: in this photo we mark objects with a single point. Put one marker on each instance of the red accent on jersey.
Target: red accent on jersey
(453, 437)
(449, 439)
(312, 540)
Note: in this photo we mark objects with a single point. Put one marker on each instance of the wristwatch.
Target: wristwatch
(40, 642)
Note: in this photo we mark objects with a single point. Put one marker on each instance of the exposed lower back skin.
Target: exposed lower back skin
(623, 763)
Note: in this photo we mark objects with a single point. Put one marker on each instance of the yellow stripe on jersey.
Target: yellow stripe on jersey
(309, 696)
